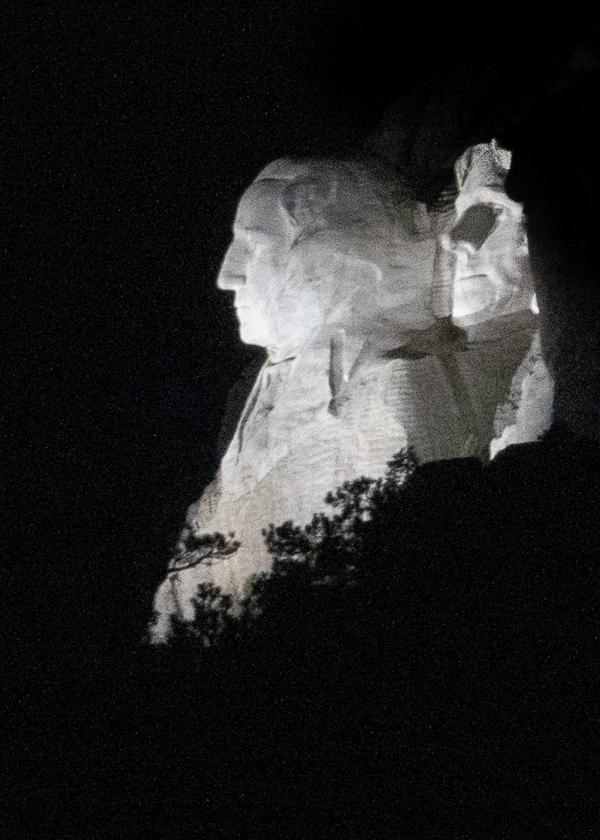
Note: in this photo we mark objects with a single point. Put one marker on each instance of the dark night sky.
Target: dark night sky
(132, 129)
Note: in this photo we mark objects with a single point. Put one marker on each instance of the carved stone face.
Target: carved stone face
(256, 268)
(492, 275)
(312, 252)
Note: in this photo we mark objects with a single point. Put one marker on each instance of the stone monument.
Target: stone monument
(336, 273)
(493, 291)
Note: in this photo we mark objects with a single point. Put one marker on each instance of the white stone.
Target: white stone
(492, 275)
(345, 282)
(527, 413)
(493, 284)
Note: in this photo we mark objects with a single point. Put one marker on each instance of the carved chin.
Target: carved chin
(254, 333)
(250, 336)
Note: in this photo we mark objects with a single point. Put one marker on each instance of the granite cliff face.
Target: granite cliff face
(386, 326)
(493, 284)
(527, 413)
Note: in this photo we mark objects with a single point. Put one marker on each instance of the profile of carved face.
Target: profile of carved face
(323, 244)
(492, 272)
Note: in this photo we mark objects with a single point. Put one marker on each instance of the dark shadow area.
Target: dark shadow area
(437, 679)
(452, 693)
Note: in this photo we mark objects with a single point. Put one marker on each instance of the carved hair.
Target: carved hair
(331, 194)
(485, 165)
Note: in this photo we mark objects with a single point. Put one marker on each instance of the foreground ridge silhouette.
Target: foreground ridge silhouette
(441, 683)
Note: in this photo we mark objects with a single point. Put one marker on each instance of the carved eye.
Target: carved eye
(475, 226)
(256, 242)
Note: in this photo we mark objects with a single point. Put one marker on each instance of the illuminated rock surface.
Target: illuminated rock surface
(348, 285)
(493, 286)
(492, 275)
(527, 413)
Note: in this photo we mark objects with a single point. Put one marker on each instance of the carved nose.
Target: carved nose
(232, 274)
